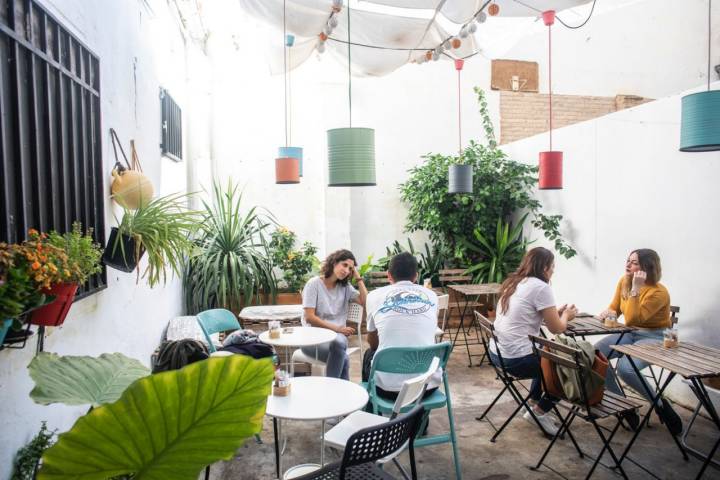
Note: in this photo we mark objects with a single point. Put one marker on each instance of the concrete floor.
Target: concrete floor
(519, 446)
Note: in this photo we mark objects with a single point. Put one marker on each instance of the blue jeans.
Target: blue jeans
(624, 369)
(334, 354)
(528, 367)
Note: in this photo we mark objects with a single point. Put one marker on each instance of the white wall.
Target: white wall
(140, 50)
(627, 186)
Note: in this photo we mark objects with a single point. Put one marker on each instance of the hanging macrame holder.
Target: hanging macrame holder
(130, 187)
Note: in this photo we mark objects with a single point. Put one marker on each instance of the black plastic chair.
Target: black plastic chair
(370, 445)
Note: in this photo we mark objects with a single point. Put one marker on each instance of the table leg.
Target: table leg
(322, 445)
(706, 401)
(646, 418)
(292, 362)
(276, 434)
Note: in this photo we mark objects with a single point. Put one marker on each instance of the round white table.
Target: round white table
(313, 399)
(300, 337)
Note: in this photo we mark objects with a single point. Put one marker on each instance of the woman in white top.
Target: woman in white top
(526, 302)
(325, 305)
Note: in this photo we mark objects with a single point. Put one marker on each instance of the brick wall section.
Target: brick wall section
(524, 114)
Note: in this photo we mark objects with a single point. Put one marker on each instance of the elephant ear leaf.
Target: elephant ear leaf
(167, 425)
(83, 380)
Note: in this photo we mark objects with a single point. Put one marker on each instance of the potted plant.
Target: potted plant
(230, 266)
(77, 257)
(296, 265)
(163, 228)
(27, 459)
(18, 291)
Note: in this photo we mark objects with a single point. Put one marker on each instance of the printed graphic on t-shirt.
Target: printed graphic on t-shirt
(406, 302)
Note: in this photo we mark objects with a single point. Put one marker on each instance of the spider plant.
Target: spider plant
(232, 255)
(501, 255)
(163, 229)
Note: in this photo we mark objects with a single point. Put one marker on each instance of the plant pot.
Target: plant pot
(288, 299)
(116, 259)
(53, 314)
(4, 327)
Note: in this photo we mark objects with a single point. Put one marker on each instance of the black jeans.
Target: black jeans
(528, 367)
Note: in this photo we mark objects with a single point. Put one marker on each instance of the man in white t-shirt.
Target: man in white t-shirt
(402, 314)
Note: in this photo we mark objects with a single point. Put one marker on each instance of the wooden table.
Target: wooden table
(587, 325)
(471, 292)
(689, 360)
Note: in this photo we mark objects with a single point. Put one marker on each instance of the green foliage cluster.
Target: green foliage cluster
(163, 228)
(296, 264)
(231, 263)
(26, 459)
(81, 249)
(429, 261)
(502, 188)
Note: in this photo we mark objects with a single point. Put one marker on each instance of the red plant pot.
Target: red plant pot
(53, 314)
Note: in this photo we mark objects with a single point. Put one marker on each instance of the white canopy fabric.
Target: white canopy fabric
(386, 34)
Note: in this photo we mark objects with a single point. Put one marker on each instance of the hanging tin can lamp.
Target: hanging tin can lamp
(700, 118)
(460, 177)
(550, 175)
(351, 150)
(288, 164)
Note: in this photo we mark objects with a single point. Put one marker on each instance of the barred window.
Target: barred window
(171, 127)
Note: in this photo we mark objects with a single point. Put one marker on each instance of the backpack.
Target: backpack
(563, 382)
(175, 354)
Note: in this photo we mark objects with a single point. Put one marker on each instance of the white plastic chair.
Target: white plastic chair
(443, 303)
(355, 315)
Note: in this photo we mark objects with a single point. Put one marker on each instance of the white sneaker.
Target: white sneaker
(546, 420)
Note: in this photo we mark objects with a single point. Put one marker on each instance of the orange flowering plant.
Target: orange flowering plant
(48, 265)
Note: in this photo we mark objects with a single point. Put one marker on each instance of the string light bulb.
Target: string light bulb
(493, 9)
(333, 22)
(455, 43)
(435, 56)
(472, 27)
(463, 32)
(481, 17)
(327, 30)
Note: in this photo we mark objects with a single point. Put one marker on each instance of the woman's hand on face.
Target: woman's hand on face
(638, 280)
(354, 273)
(347, 331)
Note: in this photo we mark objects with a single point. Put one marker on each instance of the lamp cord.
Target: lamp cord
(459, 119)
(285, 111)
(349, 69)
(550, 80)
(709, 40)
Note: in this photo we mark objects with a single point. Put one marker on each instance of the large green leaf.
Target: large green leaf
(83, 380)
(167, 425)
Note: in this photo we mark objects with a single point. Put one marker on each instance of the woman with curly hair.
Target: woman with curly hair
(325, 305)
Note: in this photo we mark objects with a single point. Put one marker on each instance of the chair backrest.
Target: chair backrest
(674, 310)
(487, 335)
(454, 276)
(214, 321)
(414, 388)
(409, 360)
(355, 313)
(378, 279)
(443, 304)
(374, 443)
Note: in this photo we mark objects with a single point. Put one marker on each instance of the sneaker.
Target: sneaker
(546, 420)
(668, 415)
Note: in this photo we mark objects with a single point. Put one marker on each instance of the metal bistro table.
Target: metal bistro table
(298, 338)
(313, 399)
(470, 293)
(689, 360)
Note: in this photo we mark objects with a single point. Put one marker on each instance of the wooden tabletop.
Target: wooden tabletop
(687, 359)
(586, 324)
(472, 289)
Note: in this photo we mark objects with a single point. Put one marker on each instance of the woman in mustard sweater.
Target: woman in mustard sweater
(645, 304)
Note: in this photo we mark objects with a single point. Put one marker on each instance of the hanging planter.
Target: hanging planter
(121, 255)
(460, 179)
(287, 170)
(54, 313)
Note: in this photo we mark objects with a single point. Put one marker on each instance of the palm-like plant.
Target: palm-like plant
(232, 256)
(501, 255)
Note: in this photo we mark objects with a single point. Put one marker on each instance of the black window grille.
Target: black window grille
(50, 146)
(171, 127)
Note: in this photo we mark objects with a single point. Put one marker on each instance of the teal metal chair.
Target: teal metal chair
(416, 360)
(214, 321)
